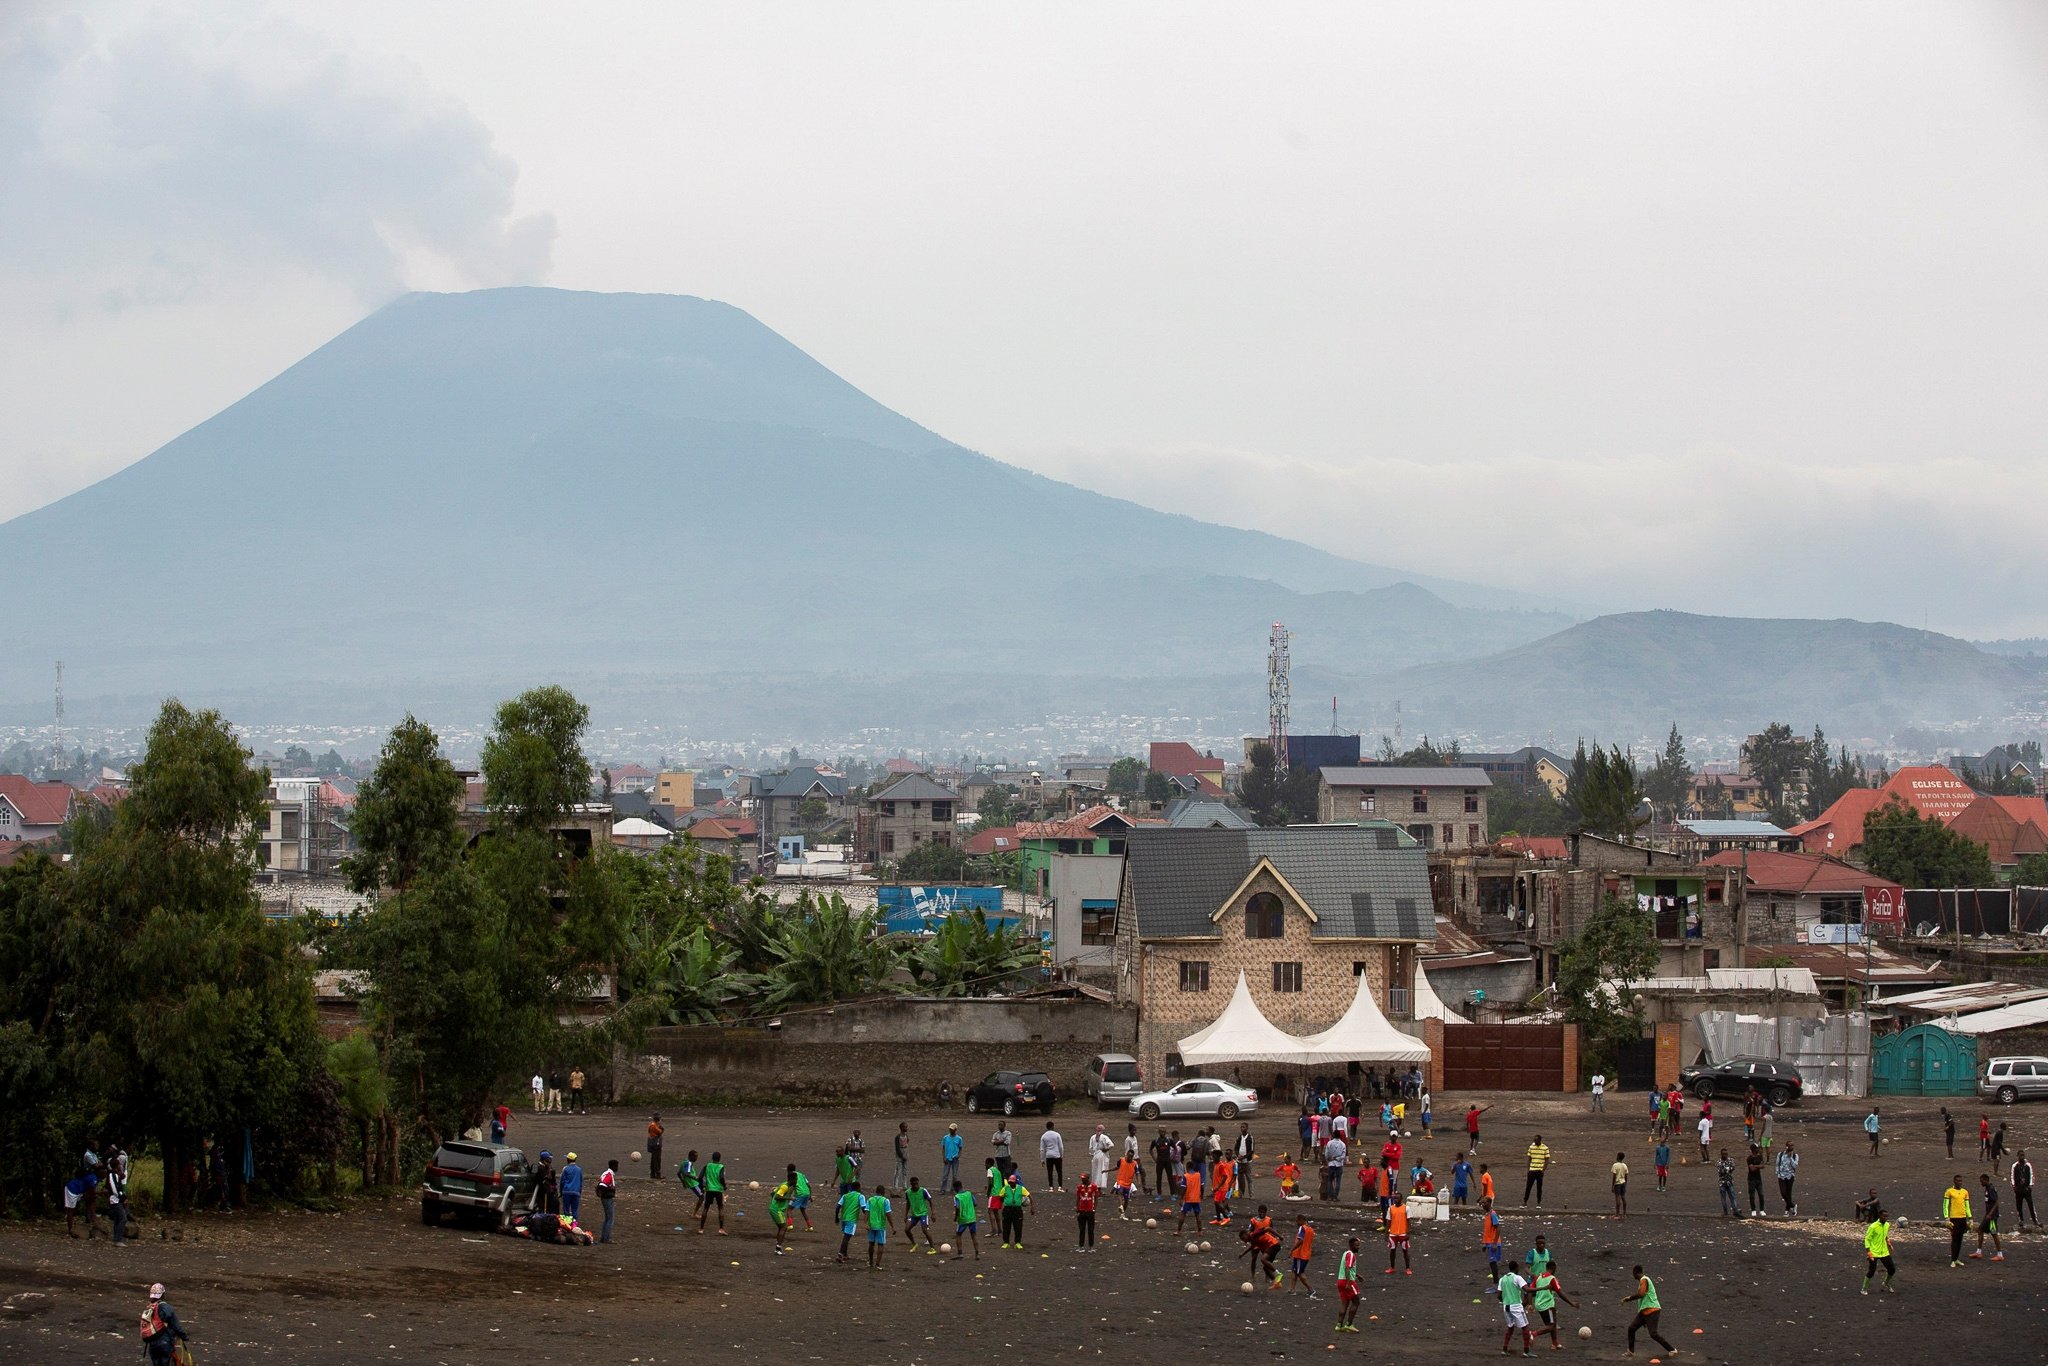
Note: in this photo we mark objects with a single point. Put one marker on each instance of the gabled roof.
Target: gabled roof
(2005, 837)
(38, 803)
(902, 766)
(1390, 776)
(1098, 816)
(1196, 813)
(800, 781)
(1179, 758)
(915, 787)
(10, 850)
(1054, 830)
(1364, 881)
(1768, 870)
(712, 828)
(1929, 789)
(996, 839)
(1537, 846)
(635, 828)
(619, 771)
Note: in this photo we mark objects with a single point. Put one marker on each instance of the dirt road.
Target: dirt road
(375, 1285)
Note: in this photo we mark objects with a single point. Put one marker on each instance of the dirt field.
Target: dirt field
(375, 1285)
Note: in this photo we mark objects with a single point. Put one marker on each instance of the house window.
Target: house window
(1358, 969)
(1710, 958)
(1471, 801)
(943, 837)
(888, 841)
(1420, 801)
(1471, 834)
(1098, 922)
(1450, 835)
(1422, 834)
(888, 808)
(1713, 891)
(1368, 801)
(1194, 976)
(942, 811)
(1397, 1001)
(1263, 918)
(1287, 977)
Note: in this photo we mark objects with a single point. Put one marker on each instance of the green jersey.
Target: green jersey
(846, 1170)
(803, 1186)
(917, 1202)
(1014, 1194)
(878, 1211)
(1539, 1261)
(714, 1176)
(850, 1206)
(1546, 1290)
(964, 1208)
(779, 1198)
(1647, 1300)
(1877, 1239)
(1511, 1286)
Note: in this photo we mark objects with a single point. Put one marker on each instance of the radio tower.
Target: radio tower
(1277, 695)
(60, 714)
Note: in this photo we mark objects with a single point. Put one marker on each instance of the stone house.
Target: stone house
(901, 815)
(779, 800)
(1442, 808)
(1302, 912)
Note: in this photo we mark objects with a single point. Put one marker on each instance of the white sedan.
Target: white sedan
(1201, 1097)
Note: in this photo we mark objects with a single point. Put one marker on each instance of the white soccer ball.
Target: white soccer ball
(945, 1247)
(1193, 1248)
(1585, 1332)
(1205, 1246)
(753, 1185)
(636, 1154)
(1151, 1223)
(1247, 1288)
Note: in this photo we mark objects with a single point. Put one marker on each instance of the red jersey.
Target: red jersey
(1084, 1197)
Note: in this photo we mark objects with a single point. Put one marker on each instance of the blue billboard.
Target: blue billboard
(913, 910)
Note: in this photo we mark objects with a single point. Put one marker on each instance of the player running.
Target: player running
(1549, 1290)
(1347, 1288)
(1877, 1250)
(1648, 1309)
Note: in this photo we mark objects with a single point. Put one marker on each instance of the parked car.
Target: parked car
(1113, 1078)
(1011, 1092)
(2006, 1080)
(1779, 1082)
(1201, 1097)
(487, 1180)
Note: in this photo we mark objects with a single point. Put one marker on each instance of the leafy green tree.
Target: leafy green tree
(358, 1069)
(933, 862)
(297, 757)
(1602, 792)
(406, 816)
(970, 956)
(1617, 947)
(1258, 787)
(2031, 871)
(1159, 789)
(1903, 846)
(1428, 754)
(330, 764)
(1777, 758)
(827, 951)
(1526, 809)
(998, 806)
(1298, 795)
(699, 978)
(1669, 780)
(533, 764)
(811, 813)
(1127, 777)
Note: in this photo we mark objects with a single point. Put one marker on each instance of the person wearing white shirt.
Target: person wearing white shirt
(1100, 1146)
(540, 1093)
(1706, 1136)
(1599, 1093)
(1052, 1149)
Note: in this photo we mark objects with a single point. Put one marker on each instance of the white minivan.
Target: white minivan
(1113, 1079)
(2006, 1080)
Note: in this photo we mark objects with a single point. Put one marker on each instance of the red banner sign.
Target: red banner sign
(1884, 908)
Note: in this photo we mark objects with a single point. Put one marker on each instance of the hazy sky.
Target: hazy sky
(1736, 308)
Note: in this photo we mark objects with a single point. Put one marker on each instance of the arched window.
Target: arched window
(1263, 917)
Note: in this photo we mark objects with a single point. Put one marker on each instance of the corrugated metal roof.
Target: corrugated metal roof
(1723, 830)
(1369, 880)
(2024, 1015)
(1962, 997)
(1407, 777)
(915, 787)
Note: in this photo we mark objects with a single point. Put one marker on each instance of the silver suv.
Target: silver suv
(2006, 1080)
(1113, 1079)
(489, 1180)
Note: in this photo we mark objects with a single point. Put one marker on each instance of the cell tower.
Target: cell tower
(1278, 693)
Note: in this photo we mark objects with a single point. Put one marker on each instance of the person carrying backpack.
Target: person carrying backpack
(161, 1331)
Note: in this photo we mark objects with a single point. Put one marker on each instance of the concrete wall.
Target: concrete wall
(1076, 878)
(891, 1050)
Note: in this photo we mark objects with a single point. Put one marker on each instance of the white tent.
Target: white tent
(1363, 1035)
(1242, 1033)
(1430, 1006)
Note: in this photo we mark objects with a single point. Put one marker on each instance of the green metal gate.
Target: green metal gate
(1925, 1060)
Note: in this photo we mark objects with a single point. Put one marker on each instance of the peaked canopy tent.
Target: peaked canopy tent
(1242, 1033)
(1363, 1035)
(1430, 1006)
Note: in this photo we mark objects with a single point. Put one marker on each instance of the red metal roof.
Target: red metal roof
(997, 839)
(1931, 790)
(1797, 874)
(1180, 759)
(1537, 846)
(2004, 836)
(10, 850)
(38, 803)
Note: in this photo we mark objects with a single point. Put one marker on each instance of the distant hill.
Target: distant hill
(469, 492)
(1632, 673)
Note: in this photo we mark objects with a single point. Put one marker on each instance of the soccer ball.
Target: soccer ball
(1193, 1248)
(636, 1154)
(1205, 1245)
(1247, 1288)
(945, 1247)
(1151, 1223)
(753, 1185)
(1585, 1332)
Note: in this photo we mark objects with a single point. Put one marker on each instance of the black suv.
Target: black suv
(1011, 1092)
(487, 1179)
(1778, 1081)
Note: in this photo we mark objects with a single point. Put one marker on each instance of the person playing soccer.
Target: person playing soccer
(1648, 1309)
(714, 1192)
(1472, 1114)
(1222, 1178)
(1461, 1181)
(881, 1222)
(853, 1208)
(1512, 1287)
(1955, 1207)
(801, 1204)
(1397, 1235)
(779, 1201)
(1262, 1244)
(1086, 1193)
(1303, 1249)
(1549, 1290)
(965, 1209)
(1619, 1172)
(1016, 1199)
(1127, 1177)
(1877, 1250)
(1289, 1174)
(1347, 1287)
(1662, 1158)
(1190, 1198)
(917, 1217)
(1490, 1239)
(1987, 1222)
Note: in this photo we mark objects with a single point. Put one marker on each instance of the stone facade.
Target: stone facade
(1439, 817)
(892, 826)
(1329, 966)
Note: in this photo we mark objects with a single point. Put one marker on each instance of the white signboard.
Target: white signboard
(1834, 934)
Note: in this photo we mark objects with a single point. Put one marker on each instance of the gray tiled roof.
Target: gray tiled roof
(915, 787)
(1406, 777)
(1364, 881)
(798, 781)
(1198, 813)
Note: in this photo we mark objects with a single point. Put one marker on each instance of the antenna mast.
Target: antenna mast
(60, 714)
(1278, 694)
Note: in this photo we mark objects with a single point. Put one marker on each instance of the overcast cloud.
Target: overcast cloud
(1730, 308)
